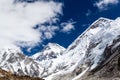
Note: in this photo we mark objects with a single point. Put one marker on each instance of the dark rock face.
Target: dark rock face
(110, 71)
(109, 68)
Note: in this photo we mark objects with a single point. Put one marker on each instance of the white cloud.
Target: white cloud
(47, 31)
(103, 4)
(89, 12)
(67, 27)
(17, 21)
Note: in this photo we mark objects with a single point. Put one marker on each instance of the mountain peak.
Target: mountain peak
(54, 46)
(101, 18)
(49, 44)
(51, 50)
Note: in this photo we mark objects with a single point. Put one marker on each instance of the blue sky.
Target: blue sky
(82, 13)
(30, 24)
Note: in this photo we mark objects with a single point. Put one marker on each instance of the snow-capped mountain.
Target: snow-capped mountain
(90, 51)
(47, 56)
(16, 62)
(50, 51)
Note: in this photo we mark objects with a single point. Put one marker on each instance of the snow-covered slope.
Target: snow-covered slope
(46, 57)
(50, 51)
(16, 62)
(92, 50)
(87, 52)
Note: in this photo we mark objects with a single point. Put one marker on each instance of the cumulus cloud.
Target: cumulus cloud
(67, 27)
(48, 31)
(17, 21)
(104, 4)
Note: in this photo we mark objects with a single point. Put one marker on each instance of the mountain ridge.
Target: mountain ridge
(96, 46)
(52, 49)
(86, 52)
(17, 63)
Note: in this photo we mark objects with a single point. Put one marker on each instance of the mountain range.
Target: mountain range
(94, 55)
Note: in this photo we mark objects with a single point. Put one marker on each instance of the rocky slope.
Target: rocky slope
(17, 63)
(36, 66)
(4, 75)
(109, 69)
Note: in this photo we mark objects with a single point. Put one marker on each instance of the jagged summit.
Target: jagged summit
(99, 23)
(103, 18)
(54, 46)
(51, 50)
(50, 53)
